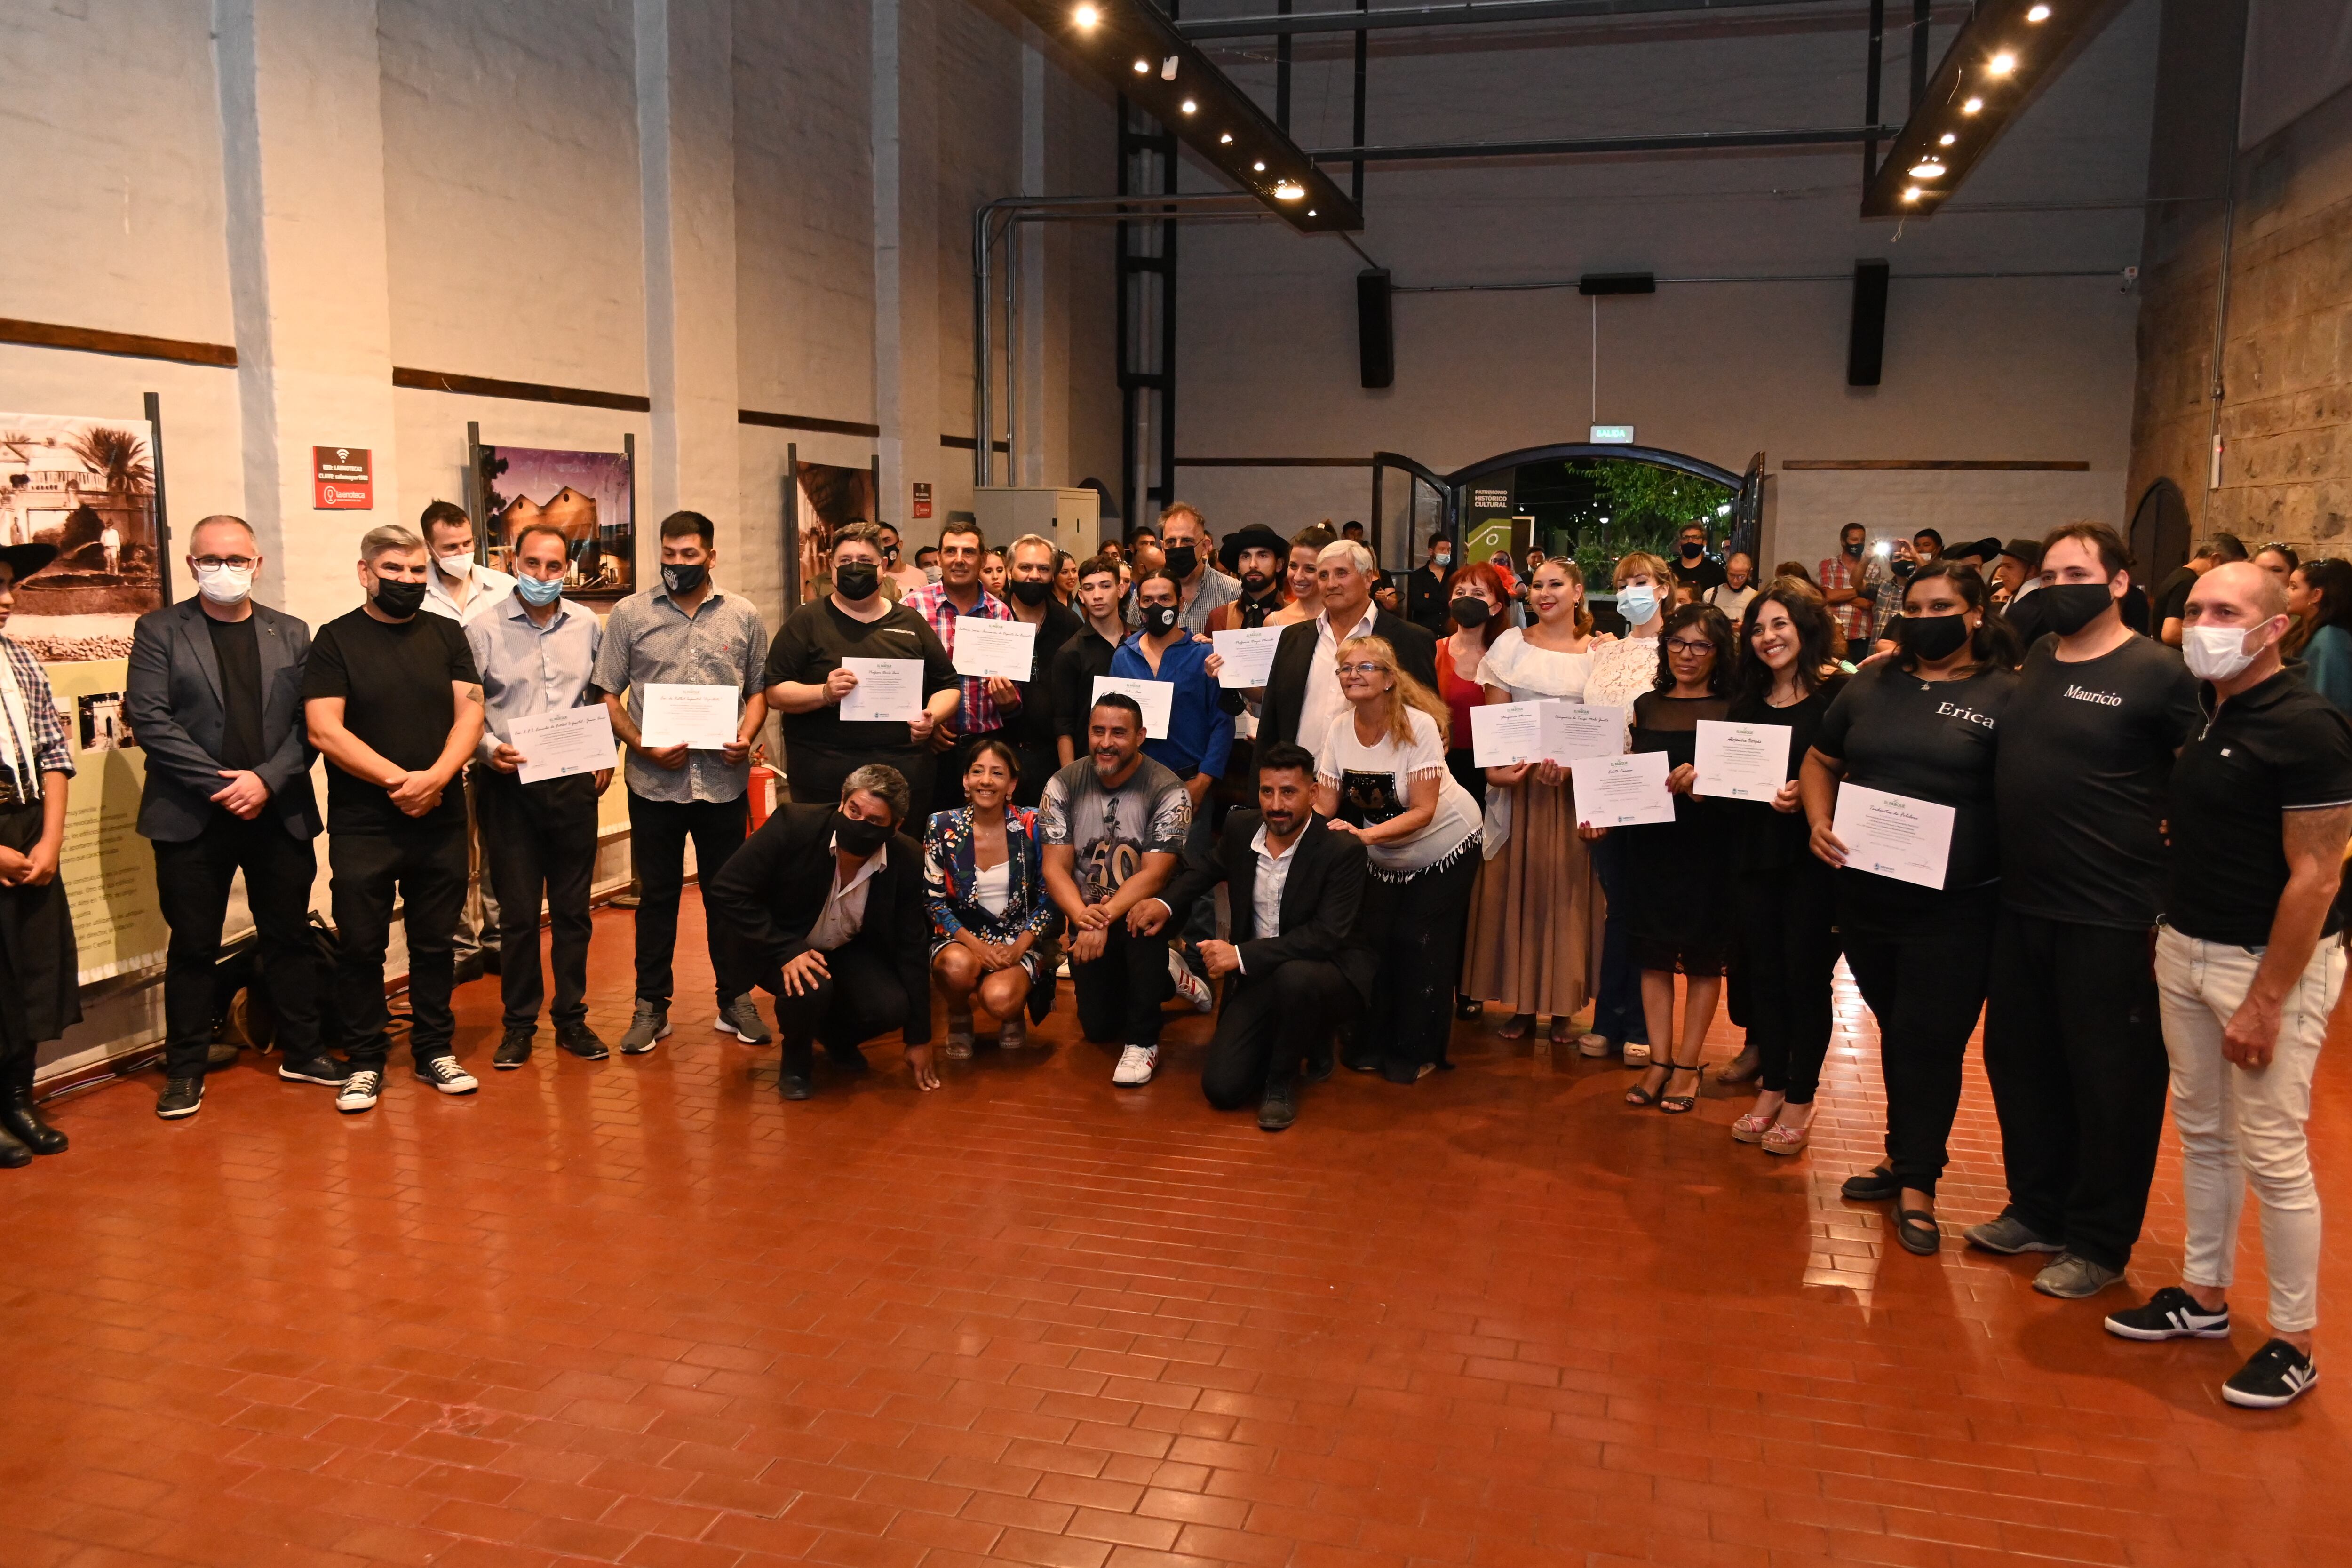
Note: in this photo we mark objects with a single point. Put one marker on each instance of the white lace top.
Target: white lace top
(1531, 674)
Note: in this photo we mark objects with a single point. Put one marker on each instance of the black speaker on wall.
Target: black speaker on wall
(1865, 345)
(1375, 337)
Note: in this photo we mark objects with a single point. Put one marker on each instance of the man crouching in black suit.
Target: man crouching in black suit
(825, 910)
(1294, 971)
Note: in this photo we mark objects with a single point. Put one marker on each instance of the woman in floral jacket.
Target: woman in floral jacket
(991, 921)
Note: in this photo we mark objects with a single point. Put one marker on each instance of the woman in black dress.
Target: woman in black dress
(40, 991)
(1675, 870)
(1783, 937)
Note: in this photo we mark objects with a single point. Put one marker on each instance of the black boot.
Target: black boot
(13, 1154)
(17, 1115)
(792, 1080)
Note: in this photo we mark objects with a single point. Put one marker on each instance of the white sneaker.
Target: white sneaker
(1135, 1066)
(1189, 986)
(444, 1074)
(360, 1091)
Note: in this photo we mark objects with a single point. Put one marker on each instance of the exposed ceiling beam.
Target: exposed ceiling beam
(1681, 141)
(1459, 14)
(1133, 47)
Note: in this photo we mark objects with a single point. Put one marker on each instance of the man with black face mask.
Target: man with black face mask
(826, 903)
(1184, 548)
(1692, 566)
(391, 699)
(1029, 593)
(2073, 1043)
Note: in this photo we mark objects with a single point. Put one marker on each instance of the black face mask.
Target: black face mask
(399, 600)
(1931, 639)
(1158, 620)
(1854, 548)
(684, 579)
(1902, 568)
(1030, 593)
(890, 552)
(1470, 610)
(1692, 551)
(857, 579)
(1180, 560)
(860, 838)
(2068, 607)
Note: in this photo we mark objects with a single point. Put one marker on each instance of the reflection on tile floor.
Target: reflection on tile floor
(640, 1311)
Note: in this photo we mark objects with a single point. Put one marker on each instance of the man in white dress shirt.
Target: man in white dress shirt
(461, 589)
(1302, 694)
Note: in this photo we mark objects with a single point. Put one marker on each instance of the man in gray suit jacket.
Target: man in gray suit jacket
(215, 699)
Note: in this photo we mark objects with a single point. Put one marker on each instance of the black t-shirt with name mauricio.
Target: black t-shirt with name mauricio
(395, 680)
(1930, 740)
(2082, 780)
(2277, 748)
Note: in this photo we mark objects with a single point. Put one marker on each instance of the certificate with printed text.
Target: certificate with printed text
(888, 690)
(1004, 649)
(1741, 761)
(1156, 698)
(566, 742)
(1626, 791)
(701, 718)
(1894, 835)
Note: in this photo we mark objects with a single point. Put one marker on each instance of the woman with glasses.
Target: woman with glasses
(1530, 939)
(1675, 873)
(1381, 775)
(984, 887)
(2319, 598)
(1622, 671)
(1923, 725)
(1782, 904)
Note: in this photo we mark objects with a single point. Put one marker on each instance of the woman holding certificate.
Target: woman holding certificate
(1381, 775)
(1531, 938)
(1474, 604)
(1622, 671)
(984, 887)
(1898, 790)
(1783, 907)
(1674, 905)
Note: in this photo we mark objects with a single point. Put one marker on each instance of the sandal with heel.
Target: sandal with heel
(1641, 1094)
(1683, 1104)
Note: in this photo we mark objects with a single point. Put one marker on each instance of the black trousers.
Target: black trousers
(2074, 1047)
(1270, 1024)
(192, 885)
(1038, 762)
(1417, 928)
(1926, 984)
(858, 999)
(1785, 950)
(658, 830)
(813, 777)
(1119, 994)
(540, 842)
(425, 869)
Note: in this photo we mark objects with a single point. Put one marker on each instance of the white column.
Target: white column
(906, 262)
(302, 130)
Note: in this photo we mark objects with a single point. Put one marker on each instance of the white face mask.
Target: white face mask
(2217, 653)
(1638, 603)
(456, 567)
(224, 584)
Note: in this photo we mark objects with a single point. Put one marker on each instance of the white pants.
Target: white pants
(2238, 1124)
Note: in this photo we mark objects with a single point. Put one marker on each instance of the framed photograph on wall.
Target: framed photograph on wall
(591, 496)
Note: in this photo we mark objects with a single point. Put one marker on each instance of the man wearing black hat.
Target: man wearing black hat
(2016, 573)
(1254, 556)
(36, 939)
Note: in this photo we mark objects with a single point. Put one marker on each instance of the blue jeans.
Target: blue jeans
(1617, 1001)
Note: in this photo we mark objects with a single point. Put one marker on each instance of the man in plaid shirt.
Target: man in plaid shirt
(1887, 576)
(1844, 577)
(986, 702)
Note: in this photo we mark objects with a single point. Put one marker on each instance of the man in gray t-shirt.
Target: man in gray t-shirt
(1112, 825)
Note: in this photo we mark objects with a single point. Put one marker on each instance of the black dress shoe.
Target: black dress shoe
(23, 1122)
(795, 1086)
(792, 1082)
(13, 1154)
(850, 1061)
(467, 971)
(514, 1050)
(581, 1041)
(1278, 1110)
(1318, 1066)
(1872, 1186)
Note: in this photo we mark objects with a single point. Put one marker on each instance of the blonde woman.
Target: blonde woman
(1381, 775)
(1530, 945)
(1622, 671)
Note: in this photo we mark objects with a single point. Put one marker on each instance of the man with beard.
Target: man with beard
(1846, 590)
(1256, 554)
(1184, 548)
(989, 701)
(1029, 593)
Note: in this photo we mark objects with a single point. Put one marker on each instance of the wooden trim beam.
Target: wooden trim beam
(1273, 462)
(966, 444)
(520, 391)
(130, 346)
(2002, 465)
(804, 422)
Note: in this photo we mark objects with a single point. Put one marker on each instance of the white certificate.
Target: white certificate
(888, 689)
(1624, 791)
(562, 743)
(1248, 654)
(700, 717)
(1158, 698)
(1505, 735)
(1742, 762)
(1894, 835)
(1571, 731)
(1006, 649)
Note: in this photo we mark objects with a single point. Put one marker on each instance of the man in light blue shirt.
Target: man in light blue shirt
(537, 655)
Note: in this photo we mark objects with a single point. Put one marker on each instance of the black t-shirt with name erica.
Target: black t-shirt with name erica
(2279, 748)
(1930, 740)
(395, 682)
(2083, 781)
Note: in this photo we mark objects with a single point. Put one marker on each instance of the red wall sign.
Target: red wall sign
(343, 479)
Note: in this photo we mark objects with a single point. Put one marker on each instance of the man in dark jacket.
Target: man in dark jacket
(825, 905)
(1296, 969)
(1302, 693)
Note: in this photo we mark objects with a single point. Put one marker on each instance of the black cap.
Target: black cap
(24, 559)
(2026, 549)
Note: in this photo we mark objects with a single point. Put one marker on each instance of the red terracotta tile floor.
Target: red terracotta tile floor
(640, 1311)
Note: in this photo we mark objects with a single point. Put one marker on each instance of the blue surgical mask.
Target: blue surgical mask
(538, 592)
(1638, 603)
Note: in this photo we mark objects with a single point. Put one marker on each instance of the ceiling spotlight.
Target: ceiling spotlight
(1910, 192)
(2002, 64)
(1928, 170)
(1259, 166)
(1143, 67)
(1168, 69)
(1310, 212)
(2038, 14)
(1226, 140)
(1946, 140)
(1289, 191)
(1086, 16)
(1190, 106)
(1971, 106)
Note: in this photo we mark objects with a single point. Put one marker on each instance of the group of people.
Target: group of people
(2139, 889)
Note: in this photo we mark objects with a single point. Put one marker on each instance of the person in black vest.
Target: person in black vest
(1302, 694)
(827, 904)
(1296, 969)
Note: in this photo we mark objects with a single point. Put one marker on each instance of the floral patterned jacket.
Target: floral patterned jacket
(950, 869)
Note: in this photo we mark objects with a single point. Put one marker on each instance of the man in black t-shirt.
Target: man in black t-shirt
(2172, 595)
(1086, 654)
(2248, 970)
(1029, 593)
(1692, 566)
(394, 701)
(2072, 1043)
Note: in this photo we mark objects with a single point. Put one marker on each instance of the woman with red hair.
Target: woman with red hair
(1477, 600)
